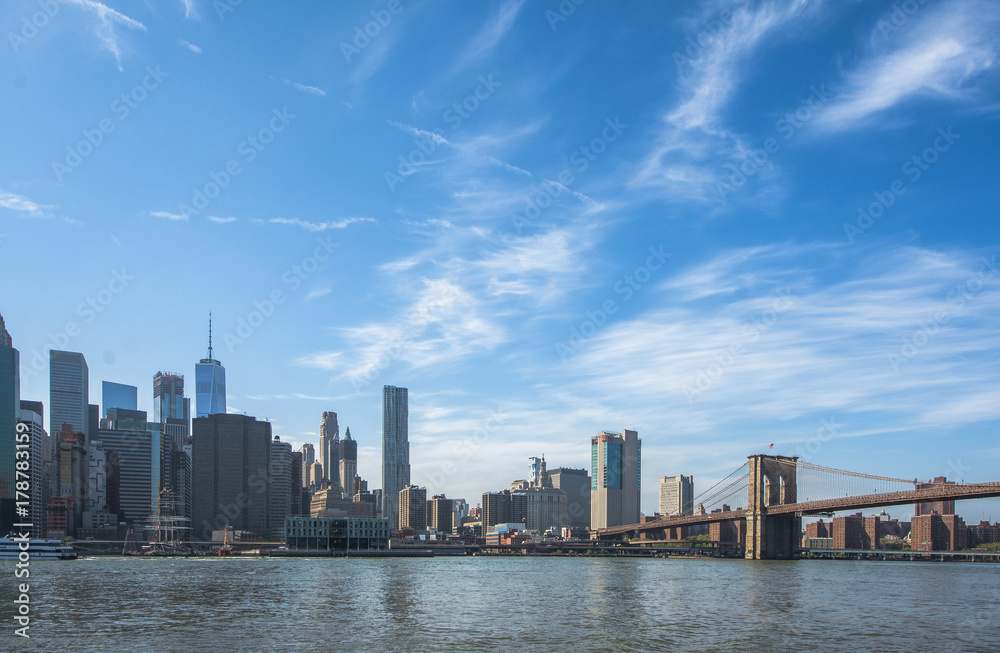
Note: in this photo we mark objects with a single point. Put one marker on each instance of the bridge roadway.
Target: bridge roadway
(924, 495)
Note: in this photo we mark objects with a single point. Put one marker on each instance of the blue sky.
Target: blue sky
(723, 225)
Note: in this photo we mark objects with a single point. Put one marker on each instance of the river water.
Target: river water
(502, 603)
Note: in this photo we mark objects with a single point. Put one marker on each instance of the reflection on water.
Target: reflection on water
(485, 604)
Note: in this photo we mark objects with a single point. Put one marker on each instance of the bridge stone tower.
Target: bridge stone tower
(772, 482)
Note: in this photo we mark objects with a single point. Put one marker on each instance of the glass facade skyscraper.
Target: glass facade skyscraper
(615, 479)
(69, 391)
(119, 395)
(210, 382)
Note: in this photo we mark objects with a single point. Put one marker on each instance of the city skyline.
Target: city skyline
(753, 224)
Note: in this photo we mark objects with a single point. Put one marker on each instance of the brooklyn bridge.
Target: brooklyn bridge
(776, 491)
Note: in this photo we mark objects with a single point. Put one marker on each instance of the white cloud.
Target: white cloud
(320, 226)
(938, 58)
(191, 46)
(216, 219)
(686, 161)
(492, 33)
(108, 18)
(16, 202)
(312, 90)
(317, 293)
(189, 9)
(177, 217)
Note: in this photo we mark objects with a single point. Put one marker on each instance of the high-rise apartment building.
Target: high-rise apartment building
(676, 495)
(616, 476)
(348, 463)
(119, 395)
(231, 461)
(32, 423)
(69, 393)
(329, 447)
(281, 489)
(210, 382)
(395, 450)
(942, 507)
(440, 514)
(10, 415)
(413, 508)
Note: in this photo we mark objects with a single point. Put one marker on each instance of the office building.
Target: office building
(296, 490)
(576, 484)
(231, 461)
(336, 535)
(210, 382)
(615, 479)
(440, 514)
(308, 458)
(10, 416)
(119, 395)
(315, 478)
(69, 394)
(676, 495)
(348, 463)
(281, 488)
(395, 450)
(137, 448)
(66, 507)
(413, 508)
(32, 423)
(329, 447)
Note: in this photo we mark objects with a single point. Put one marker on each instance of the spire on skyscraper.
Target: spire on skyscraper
(347, 436)
(210, 336)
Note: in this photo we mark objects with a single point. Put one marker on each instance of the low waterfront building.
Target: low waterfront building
(340, 534)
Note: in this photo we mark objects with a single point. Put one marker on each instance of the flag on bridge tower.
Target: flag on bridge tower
(770, 446)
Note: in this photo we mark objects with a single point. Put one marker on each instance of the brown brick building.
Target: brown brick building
(938, 533)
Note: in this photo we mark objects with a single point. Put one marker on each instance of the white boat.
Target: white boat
(11, 548)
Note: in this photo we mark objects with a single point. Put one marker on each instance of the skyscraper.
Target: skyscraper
(210, 382)
(34, 425)
(329, 447)
(576, 484)
(676, 495)
(69, 394)
(119, 395)
(616, 477)
(308, 458)
(137, 449)
(348, 463)
(231, 460)
(172, 420)
(280, 481)
(395, 450)
(10, 415)
(170, 406)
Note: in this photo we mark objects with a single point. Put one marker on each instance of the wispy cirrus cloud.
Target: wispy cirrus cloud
(218, 220)
(191, 46)
(106, 29)
(489, 37)
(311, 90)
(189, 9)
(320, 226)
(316, 293)
(693, 143)
(940, 56)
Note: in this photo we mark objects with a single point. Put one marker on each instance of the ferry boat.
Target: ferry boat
(11, 548)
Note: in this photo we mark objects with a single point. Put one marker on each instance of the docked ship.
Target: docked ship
(11, 548)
